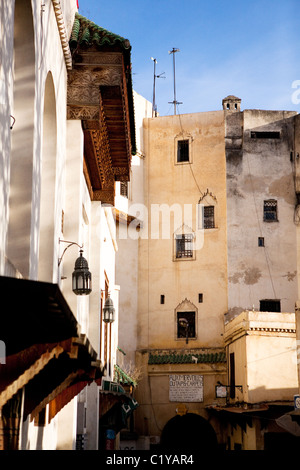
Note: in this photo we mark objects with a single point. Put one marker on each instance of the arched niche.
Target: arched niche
(48, 178)
(22, 143)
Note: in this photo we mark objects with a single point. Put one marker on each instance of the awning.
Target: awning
(35, 313)
(122, 377)
(46, 355)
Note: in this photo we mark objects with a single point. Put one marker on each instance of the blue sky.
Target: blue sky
(250, 49)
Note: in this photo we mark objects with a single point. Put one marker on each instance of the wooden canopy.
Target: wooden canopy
(100, 95)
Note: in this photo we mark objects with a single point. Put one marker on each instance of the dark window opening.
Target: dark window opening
(261, 241)
(183, 151)
(265, 135)
(162, 299)
(270, 306)
(184, 246)
(208, 217)
(232, 375)
(200, 298)
(186, 327)
(270, 210)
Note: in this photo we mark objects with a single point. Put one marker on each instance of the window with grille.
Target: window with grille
(184, 245)
(270, 210)
(124, 188)
(186, 325)
(183, 151)
(209, 217)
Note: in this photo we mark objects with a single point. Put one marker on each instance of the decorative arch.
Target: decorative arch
(208, 208)
(22, 143)
(48, 178)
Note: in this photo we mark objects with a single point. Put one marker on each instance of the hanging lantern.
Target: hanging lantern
(81, 277)
(108, 311)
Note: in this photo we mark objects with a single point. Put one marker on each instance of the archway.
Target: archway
(189, 431)
(48, 178)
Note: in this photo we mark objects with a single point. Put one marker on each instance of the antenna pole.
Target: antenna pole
(153, 101)
(154, 108)
(173, 51)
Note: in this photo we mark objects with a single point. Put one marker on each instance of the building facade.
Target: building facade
(67, 137)
(217, 236)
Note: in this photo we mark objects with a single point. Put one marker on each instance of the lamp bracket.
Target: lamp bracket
(69, 244)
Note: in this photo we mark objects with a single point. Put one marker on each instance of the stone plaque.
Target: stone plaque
(186, 388)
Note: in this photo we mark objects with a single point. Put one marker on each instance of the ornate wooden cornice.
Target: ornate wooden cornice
(99, 87)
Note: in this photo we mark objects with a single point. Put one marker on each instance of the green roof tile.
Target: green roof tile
(175, 358)
(86, 33)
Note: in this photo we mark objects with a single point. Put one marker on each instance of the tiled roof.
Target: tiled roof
(86, 33)
(122, 377)
(176, 358)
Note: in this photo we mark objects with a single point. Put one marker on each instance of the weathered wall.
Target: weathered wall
(257, 170)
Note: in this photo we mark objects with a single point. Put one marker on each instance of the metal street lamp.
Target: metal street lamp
(108, 311)
(81, 277)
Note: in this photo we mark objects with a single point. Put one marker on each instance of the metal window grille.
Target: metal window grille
(124, 188)
(270, 210)
(183, 151)
(184, 246)
(209, 217)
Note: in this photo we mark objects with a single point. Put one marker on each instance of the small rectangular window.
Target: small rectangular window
(261, 241)
(270, 210)
(208, 217)
(265, 135)
(232, 375)
(186, 325)
(183, 151)
(162, 299)
(200, 298)
(184, 245)
(270, 306)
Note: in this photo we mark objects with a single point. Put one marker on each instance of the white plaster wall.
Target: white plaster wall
(128, 243)
(6, 81)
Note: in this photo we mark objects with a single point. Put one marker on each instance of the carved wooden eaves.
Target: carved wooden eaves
(97, 95)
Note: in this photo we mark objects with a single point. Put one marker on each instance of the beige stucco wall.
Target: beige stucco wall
(174, 189)
(167, 183)
(264, 344)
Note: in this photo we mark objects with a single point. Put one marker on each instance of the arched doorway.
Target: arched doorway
(189, 431)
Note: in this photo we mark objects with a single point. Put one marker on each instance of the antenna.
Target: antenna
(173, 51)
(154, 107)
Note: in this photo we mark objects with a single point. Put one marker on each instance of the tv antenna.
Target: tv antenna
(173, 51)
(154, 107)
